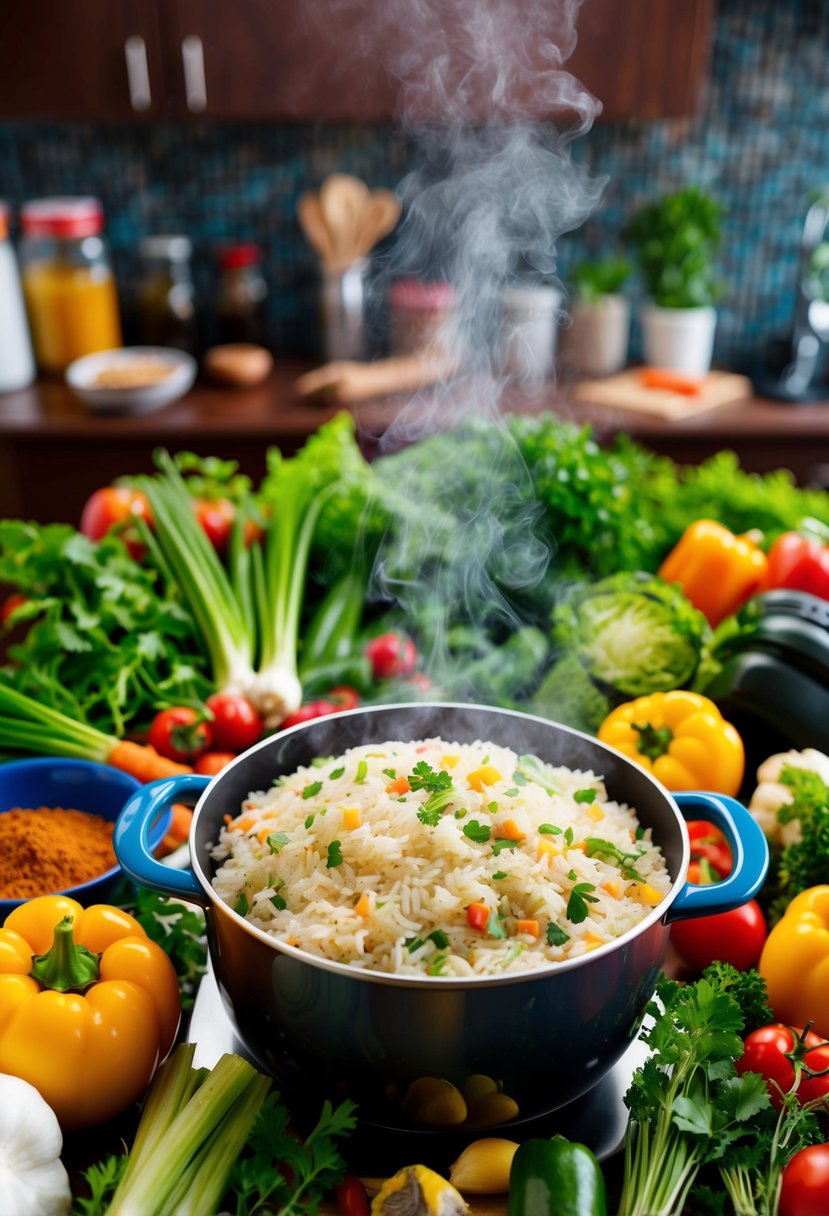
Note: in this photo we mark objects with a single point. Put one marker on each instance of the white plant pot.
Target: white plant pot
(681, 339)
(596, 343)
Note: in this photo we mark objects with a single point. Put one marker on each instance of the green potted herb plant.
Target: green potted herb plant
(675, 239)
(596, 343)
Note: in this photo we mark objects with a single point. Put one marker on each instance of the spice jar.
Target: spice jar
(419, 309)
(243, 295)
(166, 295)
(17, 365)
(67, 280)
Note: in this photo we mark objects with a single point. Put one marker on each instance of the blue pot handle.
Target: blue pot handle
(131, 838)
(749, 851)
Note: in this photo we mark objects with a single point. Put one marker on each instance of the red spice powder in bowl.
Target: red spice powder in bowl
(56, 823)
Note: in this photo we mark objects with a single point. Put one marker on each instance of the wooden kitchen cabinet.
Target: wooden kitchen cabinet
(99, 59)
(345, 60)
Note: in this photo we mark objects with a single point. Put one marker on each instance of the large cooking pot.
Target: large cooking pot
(320, 1027)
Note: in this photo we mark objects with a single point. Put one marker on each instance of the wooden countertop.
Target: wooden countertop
(53, 445)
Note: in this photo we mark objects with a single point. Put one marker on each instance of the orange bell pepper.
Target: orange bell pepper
(89, 1006)
(717, 570)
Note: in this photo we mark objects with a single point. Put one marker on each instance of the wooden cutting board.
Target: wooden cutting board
(626, 391)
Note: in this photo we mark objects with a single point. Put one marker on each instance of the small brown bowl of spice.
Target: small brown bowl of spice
(56, 822)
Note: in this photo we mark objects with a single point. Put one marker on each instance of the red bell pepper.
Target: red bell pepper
(799, 563)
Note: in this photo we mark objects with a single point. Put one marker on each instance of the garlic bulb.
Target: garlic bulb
(33, 1181)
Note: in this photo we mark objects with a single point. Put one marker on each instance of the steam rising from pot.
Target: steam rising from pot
(493, 190)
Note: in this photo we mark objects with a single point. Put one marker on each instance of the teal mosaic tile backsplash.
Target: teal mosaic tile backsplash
(760, 146)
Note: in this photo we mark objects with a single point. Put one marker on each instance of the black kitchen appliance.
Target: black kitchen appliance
(774, 681)
(794, 369)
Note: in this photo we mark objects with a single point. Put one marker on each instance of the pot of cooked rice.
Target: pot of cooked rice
(454, 914)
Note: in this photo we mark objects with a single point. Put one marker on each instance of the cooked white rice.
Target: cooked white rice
(342, 861)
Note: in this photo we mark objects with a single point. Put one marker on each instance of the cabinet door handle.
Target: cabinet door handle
(138, 73)
(195, 85)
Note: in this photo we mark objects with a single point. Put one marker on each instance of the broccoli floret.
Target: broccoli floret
(568, 695)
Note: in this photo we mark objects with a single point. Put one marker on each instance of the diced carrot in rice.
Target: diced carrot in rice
(528, 926)
(612, 887)
(508, 829)
(363, 905)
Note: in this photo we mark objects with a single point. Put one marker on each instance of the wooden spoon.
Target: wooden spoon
(379, 216)
(312, 222)
(342, 200)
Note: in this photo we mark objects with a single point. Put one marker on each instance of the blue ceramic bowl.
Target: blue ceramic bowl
(74, 784)
(547, 1035)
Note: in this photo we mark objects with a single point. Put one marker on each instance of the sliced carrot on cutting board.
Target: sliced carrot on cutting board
(670, 381)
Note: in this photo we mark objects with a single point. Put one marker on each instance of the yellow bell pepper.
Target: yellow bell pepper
(89, 1006)
(717, 570)
(681, 738)
(795, 962)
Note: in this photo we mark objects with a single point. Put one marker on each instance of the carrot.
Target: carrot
(363, 905)
(671, 381)
(399, 786)
(143, 762)
(528, 926)
(178, 831)
(509, 830)
(477, 916)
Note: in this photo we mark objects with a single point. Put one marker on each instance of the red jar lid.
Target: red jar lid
(418, 294)
(62, 217)
(232, 257)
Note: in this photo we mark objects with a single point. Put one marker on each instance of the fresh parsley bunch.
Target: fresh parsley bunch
(687, 1104)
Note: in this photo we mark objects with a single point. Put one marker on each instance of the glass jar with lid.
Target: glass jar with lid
(243, 294)
(166, 295)
(68, 281)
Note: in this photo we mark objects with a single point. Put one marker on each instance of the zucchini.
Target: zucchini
(555, 1178)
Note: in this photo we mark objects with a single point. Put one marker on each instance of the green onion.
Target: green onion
(335, 855)
(312, 789)
(362, 771)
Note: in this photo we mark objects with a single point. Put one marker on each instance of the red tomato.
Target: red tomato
(351, 1197)
(236, 724)
(772, 1050)
(211, 763)
(735, 937)
(800, 563)
(805, 1190)
(708, 842)
(391, 654)
(344, 697)
(180, 734)
(306, 713)
(9, 604)
(114, 509)
(216, 516)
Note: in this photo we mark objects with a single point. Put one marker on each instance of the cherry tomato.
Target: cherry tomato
(309, 711)
(180, 734)
(236, 724)
(351, 1197)
(344, 697)
(391, 654)
(216, 516)
(211, 763)
(114, 509)
(771, 1050)
(805, 1190)
(736, 937)
(12, 601)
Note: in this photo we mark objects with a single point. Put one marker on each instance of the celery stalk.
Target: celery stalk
(205, 1180)
(172, 1086)
(160, 1169)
